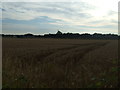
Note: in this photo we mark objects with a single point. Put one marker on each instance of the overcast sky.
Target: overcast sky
(85, 16)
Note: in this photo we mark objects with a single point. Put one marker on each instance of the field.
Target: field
(59, 63)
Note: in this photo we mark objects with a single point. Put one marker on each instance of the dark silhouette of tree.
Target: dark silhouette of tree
(59, 32)
(28, 34)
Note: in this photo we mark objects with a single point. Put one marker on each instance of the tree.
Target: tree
(59, 32)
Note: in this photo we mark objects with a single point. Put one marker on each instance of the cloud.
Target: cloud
(55, 14)
(17, 28)
(34, 10)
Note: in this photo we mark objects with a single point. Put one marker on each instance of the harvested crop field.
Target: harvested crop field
(59, 63)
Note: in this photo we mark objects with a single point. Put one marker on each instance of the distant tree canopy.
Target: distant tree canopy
(59, 34)
(28, 34)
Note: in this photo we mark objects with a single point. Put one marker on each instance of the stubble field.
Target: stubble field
(59, 63)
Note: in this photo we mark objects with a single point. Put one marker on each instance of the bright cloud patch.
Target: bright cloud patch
(48, 17)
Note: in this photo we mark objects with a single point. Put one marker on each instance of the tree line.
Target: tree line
(59, 34)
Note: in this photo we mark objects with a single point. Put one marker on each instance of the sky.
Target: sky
(83, 16)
